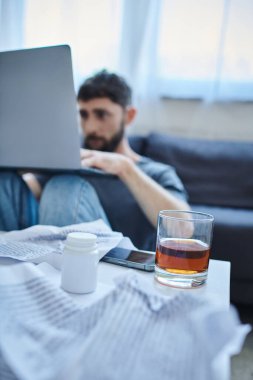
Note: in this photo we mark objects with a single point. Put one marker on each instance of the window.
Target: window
(175, 48)
(90, 27)
(205, 49)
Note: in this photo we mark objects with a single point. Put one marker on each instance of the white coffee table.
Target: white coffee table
(218, 283)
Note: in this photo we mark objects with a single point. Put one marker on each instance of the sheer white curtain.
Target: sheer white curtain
(139, 42)
(174, 48)
(205, 49)
(236, 72)
(188, 48)
(11, 24)
(90, 27)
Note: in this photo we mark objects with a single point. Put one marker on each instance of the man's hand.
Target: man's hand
(113, 163)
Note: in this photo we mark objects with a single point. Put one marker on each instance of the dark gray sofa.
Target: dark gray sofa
(218, 177)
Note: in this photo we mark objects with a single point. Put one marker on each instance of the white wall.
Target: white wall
(222, 121)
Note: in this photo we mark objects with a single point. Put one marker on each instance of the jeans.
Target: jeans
(66, 199)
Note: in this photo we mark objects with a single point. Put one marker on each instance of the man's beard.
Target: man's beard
(106, 146)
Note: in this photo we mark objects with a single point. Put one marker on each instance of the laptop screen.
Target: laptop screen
(38, 113)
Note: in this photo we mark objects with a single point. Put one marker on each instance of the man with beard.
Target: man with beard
(129, 201)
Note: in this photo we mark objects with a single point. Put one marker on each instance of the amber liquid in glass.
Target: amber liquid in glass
(182, 256)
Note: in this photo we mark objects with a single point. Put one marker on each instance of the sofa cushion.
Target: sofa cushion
(213, 172)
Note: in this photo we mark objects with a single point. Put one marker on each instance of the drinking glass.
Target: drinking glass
(183, 248)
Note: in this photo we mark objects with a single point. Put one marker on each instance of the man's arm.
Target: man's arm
(150, 196)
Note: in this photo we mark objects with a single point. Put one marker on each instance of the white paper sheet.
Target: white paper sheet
(46, 243)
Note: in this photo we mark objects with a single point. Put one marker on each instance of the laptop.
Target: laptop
(38, 112)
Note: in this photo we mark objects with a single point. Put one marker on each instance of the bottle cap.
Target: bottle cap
(81, 239)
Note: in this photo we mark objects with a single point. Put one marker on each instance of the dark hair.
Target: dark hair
(106, 85)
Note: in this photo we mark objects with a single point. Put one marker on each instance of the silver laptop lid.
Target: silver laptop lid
(38, 114)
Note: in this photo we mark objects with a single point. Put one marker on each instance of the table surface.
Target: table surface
(218, 282)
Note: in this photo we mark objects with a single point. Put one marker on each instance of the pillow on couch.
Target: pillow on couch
(213, 172)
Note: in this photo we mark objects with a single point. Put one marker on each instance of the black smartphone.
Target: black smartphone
(144, 260)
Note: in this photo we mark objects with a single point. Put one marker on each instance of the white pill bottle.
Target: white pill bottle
(79, 265)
